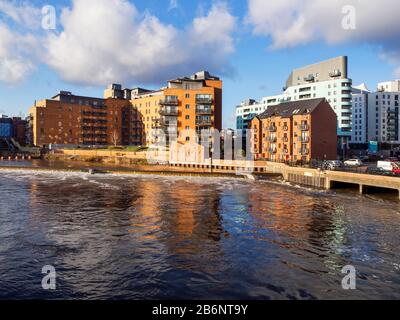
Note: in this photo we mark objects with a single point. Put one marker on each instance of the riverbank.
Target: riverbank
(102, 168)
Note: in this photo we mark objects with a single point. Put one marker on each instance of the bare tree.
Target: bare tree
(115, 137)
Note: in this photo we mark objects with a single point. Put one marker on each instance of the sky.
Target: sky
(83, 45)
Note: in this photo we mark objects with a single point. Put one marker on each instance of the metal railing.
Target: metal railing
(170, 102)
(207, 111)
(169, 112)
(304, 127)
(204, 100)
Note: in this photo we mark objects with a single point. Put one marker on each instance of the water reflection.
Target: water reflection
(155, 237)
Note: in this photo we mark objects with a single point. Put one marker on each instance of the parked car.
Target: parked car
(331, 165)
(353, 163)
(390, 166)
(379, 171)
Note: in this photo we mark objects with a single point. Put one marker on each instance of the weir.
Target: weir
(364, 183)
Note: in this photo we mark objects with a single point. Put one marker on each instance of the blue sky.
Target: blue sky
(252, 45)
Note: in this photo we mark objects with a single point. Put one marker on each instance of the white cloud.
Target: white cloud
(290, 23)
(16, 53)
(173, 4)
(109, 40)
(25, 14)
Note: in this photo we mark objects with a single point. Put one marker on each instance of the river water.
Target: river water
(151, 237)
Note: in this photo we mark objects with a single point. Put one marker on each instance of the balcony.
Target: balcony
(273, 139)
(163, 123)
(304, 151)
(170, 101)
(204, 100)
(335, 74)
(165, 111)
(272, 128)
(203, 122)
(204, 111)
(304, 139)
(304, 127)
(272, 150)
(309, 78)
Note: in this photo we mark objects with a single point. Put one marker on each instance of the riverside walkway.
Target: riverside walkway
(304, 176)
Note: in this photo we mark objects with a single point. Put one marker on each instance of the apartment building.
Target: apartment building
(359, 133)
(327, 79)
(13, 128)
(181, 111)
(297, 131)
(68, 119)
(376, 114)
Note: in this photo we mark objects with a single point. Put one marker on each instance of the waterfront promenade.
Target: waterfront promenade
(141, 162)
(304, 176)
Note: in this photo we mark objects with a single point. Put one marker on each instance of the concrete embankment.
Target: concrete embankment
(136, 162)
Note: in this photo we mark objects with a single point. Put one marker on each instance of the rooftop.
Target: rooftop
(288, 109)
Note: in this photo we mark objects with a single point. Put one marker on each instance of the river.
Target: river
(153, 237)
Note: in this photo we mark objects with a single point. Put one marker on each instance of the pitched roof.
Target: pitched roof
(288, 109)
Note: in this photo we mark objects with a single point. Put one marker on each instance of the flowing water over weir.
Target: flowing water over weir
(137, 236)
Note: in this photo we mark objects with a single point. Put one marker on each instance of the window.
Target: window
(187, 117)
(187, 106)
(187, 95)
(187, 138)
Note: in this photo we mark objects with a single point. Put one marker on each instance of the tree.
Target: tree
(115, 138)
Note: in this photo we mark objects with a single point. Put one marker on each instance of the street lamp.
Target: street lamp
(211, 151)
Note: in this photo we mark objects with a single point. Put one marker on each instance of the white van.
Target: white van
(389, 166)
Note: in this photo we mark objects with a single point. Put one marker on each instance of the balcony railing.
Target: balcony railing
(304, 139)
(304, 152)
(272, 128)
(273, 139)
(304, 127)
(173, 112)
(309, 78)
(203, 122)
(167, 124)
(170, 102)
(200, 100)
(206, 111)
(272, 150)
(335, 74)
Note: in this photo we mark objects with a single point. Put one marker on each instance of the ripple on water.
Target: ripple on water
(140, 236)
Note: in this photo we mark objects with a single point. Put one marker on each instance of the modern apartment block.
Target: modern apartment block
(359, 134)
(298, 131)
(327, 79)
(68, 119)
(376, 114)
(185, 107)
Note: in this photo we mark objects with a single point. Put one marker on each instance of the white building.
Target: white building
(327, 79)
(359, 133)
(376, 114)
